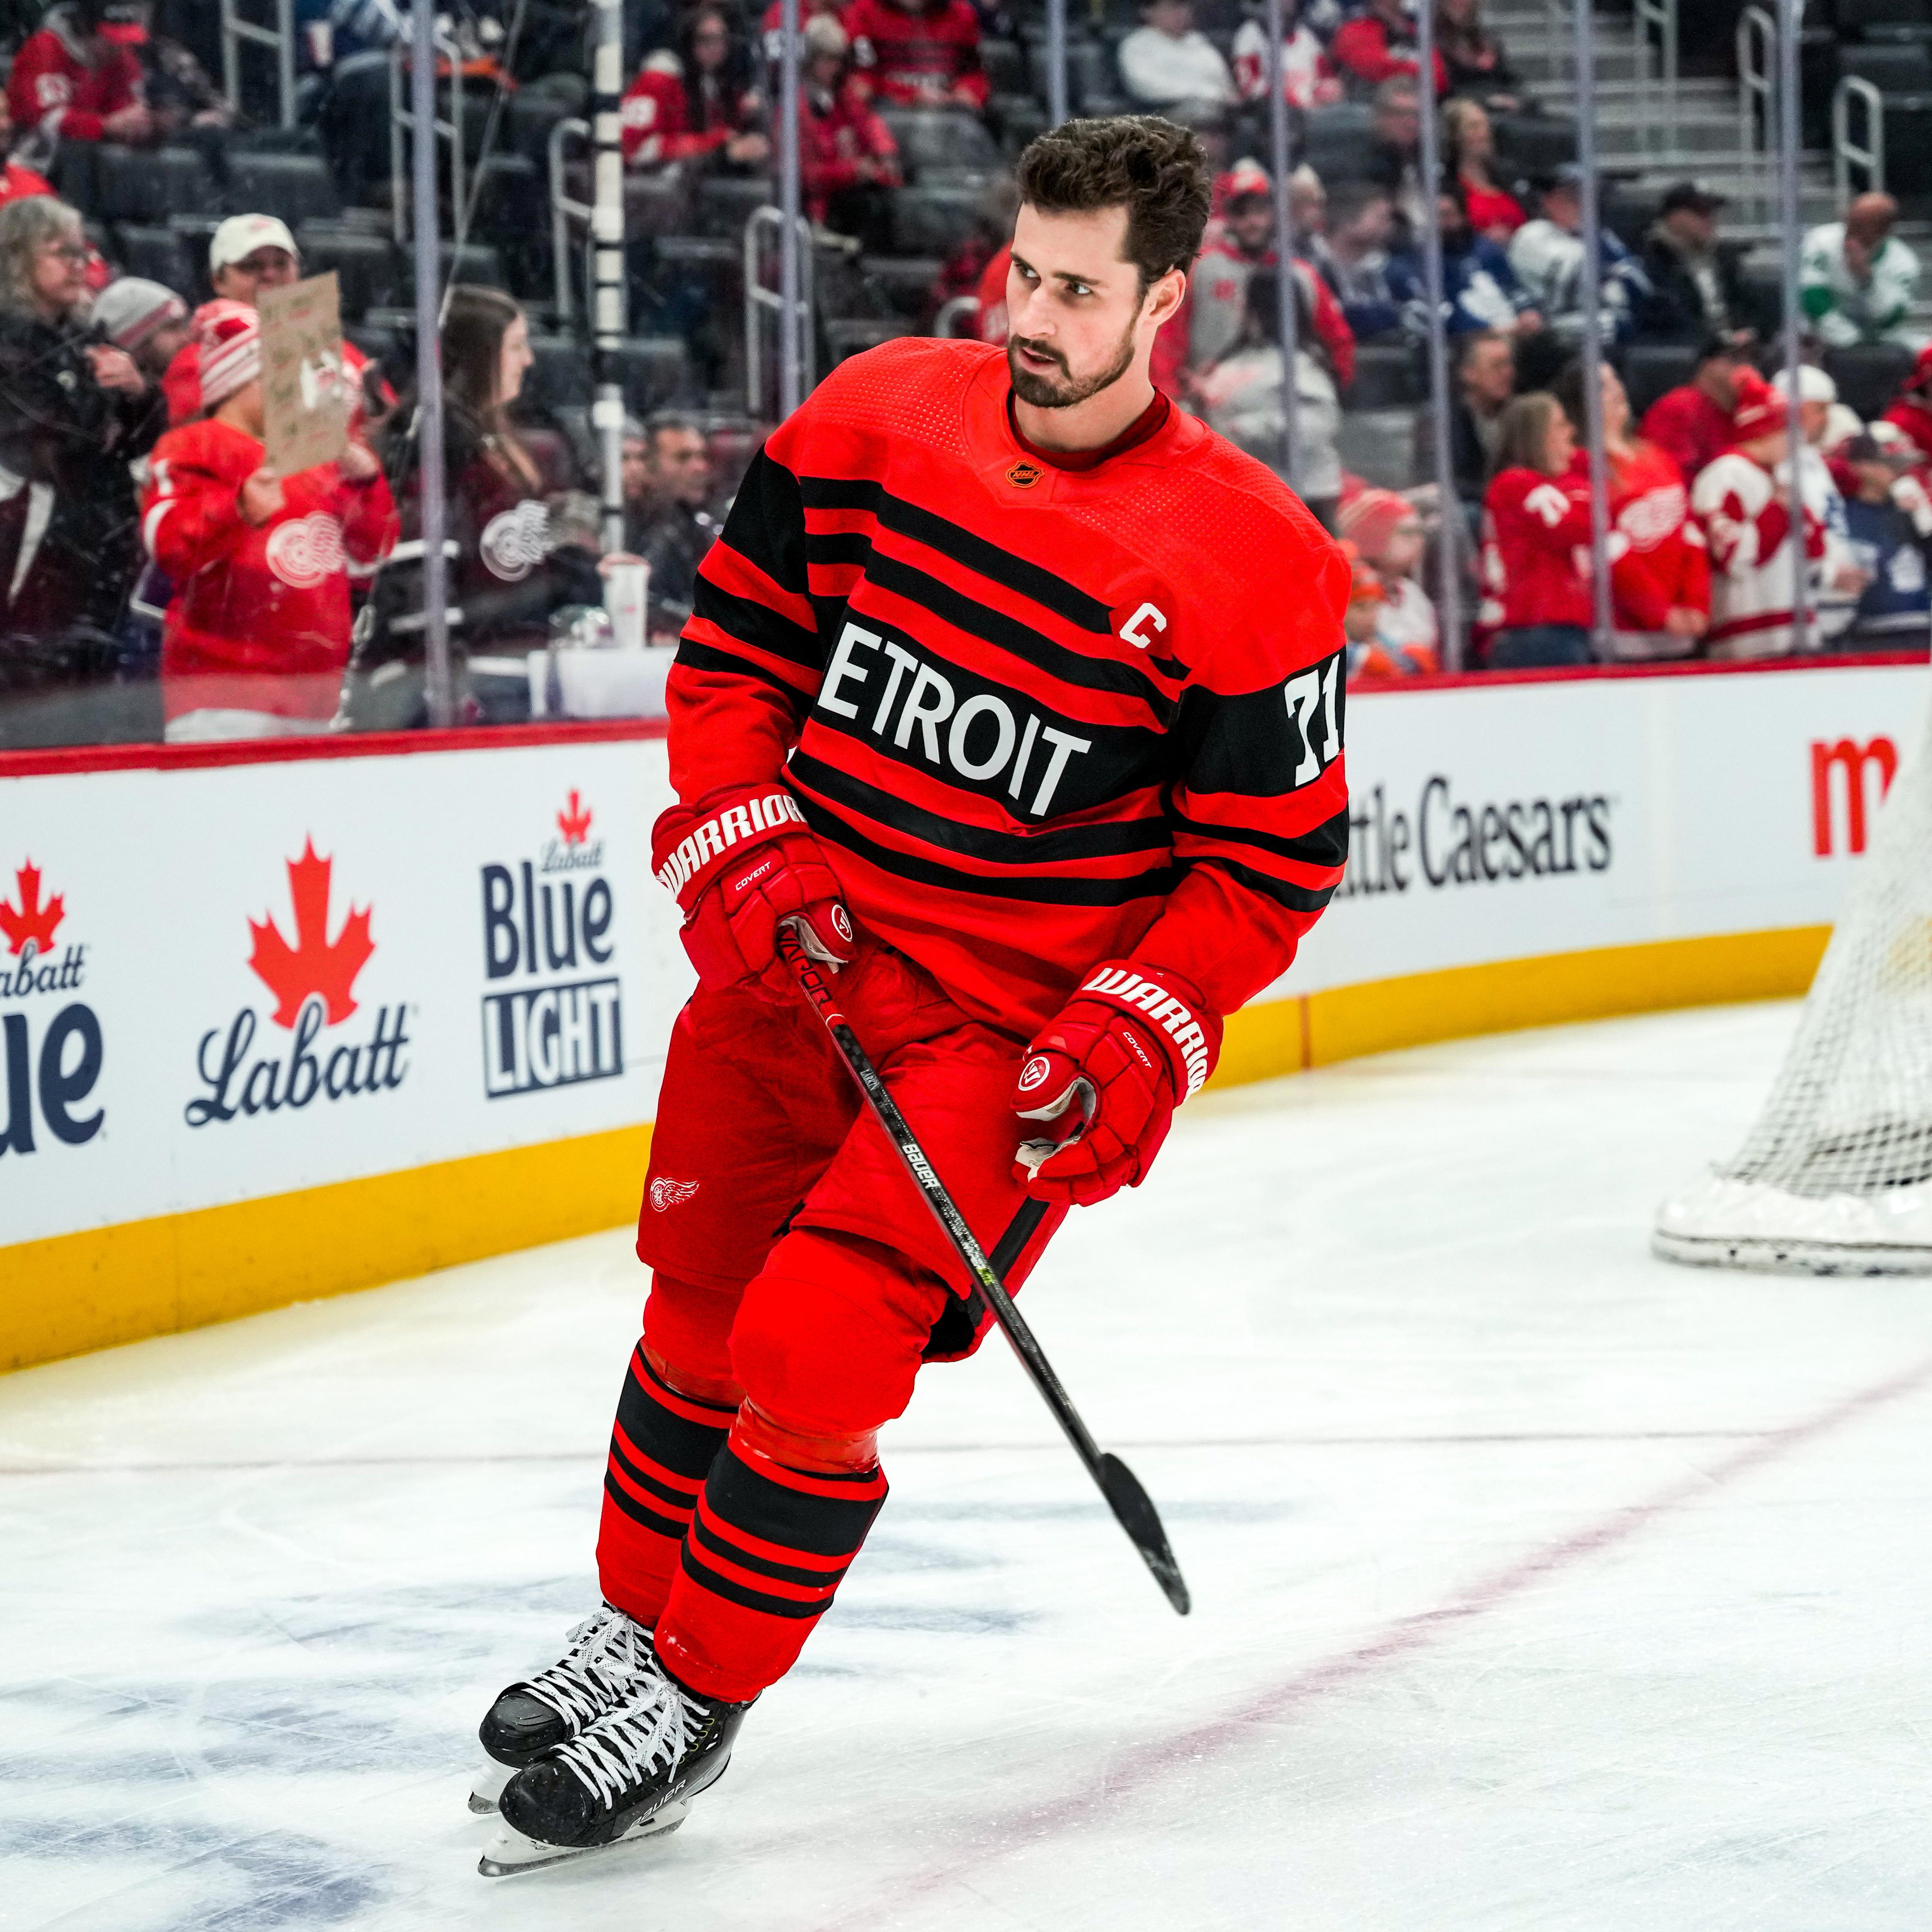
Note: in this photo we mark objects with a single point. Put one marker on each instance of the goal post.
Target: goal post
(1836, 1176)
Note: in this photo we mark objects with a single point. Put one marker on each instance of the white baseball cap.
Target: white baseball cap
(240, 235)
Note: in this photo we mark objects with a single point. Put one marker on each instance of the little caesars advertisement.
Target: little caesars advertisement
(218, 985)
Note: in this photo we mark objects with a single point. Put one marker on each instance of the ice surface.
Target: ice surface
(1539, 1584)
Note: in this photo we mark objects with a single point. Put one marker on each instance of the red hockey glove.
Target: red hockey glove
(740, 862)
(1141, 1041)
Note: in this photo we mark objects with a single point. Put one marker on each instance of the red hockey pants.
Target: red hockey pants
(799, 1280)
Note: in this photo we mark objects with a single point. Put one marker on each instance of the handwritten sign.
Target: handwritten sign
(307, 393)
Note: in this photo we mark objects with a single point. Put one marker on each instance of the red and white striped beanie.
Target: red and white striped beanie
(230, 335)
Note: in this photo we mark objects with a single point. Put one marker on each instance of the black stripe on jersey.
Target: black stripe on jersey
(794, 1519)
(827, 1580)
(673, 1527)
(1030, 580)
(1064, 846)
(766, 523)
(755, 623)
(703, 1574)
(1297, 898)
(696, 656)
(1326, 844)
(1264, 743)
(1155, 882)
(995, 627)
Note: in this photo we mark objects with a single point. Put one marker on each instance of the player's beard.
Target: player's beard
(1046, 392)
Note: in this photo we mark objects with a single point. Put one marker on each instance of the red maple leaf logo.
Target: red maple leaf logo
(575, 824)
(31, 920)
(315, 965)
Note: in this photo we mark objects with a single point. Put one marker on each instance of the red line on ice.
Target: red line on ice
(1012, 1831)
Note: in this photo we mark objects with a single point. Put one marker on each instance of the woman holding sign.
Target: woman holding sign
(257, 632)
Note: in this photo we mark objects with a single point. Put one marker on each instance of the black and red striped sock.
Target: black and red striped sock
(767, 1549)
(662, 1446)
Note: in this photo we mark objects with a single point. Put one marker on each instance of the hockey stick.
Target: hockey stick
(1128, 1501)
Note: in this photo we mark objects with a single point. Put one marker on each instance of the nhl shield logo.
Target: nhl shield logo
(1023, 476)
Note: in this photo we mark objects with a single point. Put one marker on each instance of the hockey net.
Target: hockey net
(1836, 1176)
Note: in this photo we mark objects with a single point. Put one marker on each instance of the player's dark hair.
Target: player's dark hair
(1156, 171)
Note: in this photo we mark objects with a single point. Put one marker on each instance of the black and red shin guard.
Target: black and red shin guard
(768, 1547)
(662, 1446)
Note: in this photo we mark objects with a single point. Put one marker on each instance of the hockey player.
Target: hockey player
(1018, 692)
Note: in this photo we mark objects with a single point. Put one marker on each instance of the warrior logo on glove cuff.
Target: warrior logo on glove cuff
(718, 835)
(1126, 987)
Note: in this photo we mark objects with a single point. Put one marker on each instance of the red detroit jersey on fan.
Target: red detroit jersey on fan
(1044, 717)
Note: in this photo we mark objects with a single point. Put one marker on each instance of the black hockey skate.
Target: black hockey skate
(609, 1657)
(631, 1774)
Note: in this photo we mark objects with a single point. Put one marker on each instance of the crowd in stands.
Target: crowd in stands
(145, 543)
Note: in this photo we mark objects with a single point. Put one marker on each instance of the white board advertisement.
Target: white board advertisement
(221, 983)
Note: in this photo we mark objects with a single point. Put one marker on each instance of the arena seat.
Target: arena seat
(367, 265)
(1385, 376)
(932, 220)
(149, 184)
(154, 253)
(952, 141)
(1650, 368)
(297, 187)
(1869, 375)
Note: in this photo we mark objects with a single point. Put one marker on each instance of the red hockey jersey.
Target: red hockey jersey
(1689, 427)
(836, 131)
(259, 617)
(1041, 717)
(918, 58)
(50, 77)
(1659, 561)
(1536, 551)
(658, 122)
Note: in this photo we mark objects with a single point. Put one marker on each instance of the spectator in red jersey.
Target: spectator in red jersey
(15, 180)
(71, 81)
(1387, 531)
(257, 635)
(1692, 424)
(848, 161)
(1472, 57)
(248, 254)
(1536, 542)
(1469, 153)
(1747, 512)
(1911, 411)
(1167, 60)
(1218, 287)
(1659, 566)
(699, 100)
(1308, 76)
(919, 53)
(1379, 44)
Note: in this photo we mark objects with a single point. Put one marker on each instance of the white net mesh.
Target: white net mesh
(1836, 1176)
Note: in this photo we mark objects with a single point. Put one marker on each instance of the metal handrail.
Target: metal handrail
(1558, 27)
(1846, 154)
(401, 121)
(280, 38)
(564, 209)
(758, 296)
(1756, 49)
(1661, 17)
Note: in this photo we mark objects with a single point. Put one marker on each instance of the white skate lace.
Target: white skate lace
(610, 1657)
(621, 1752)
